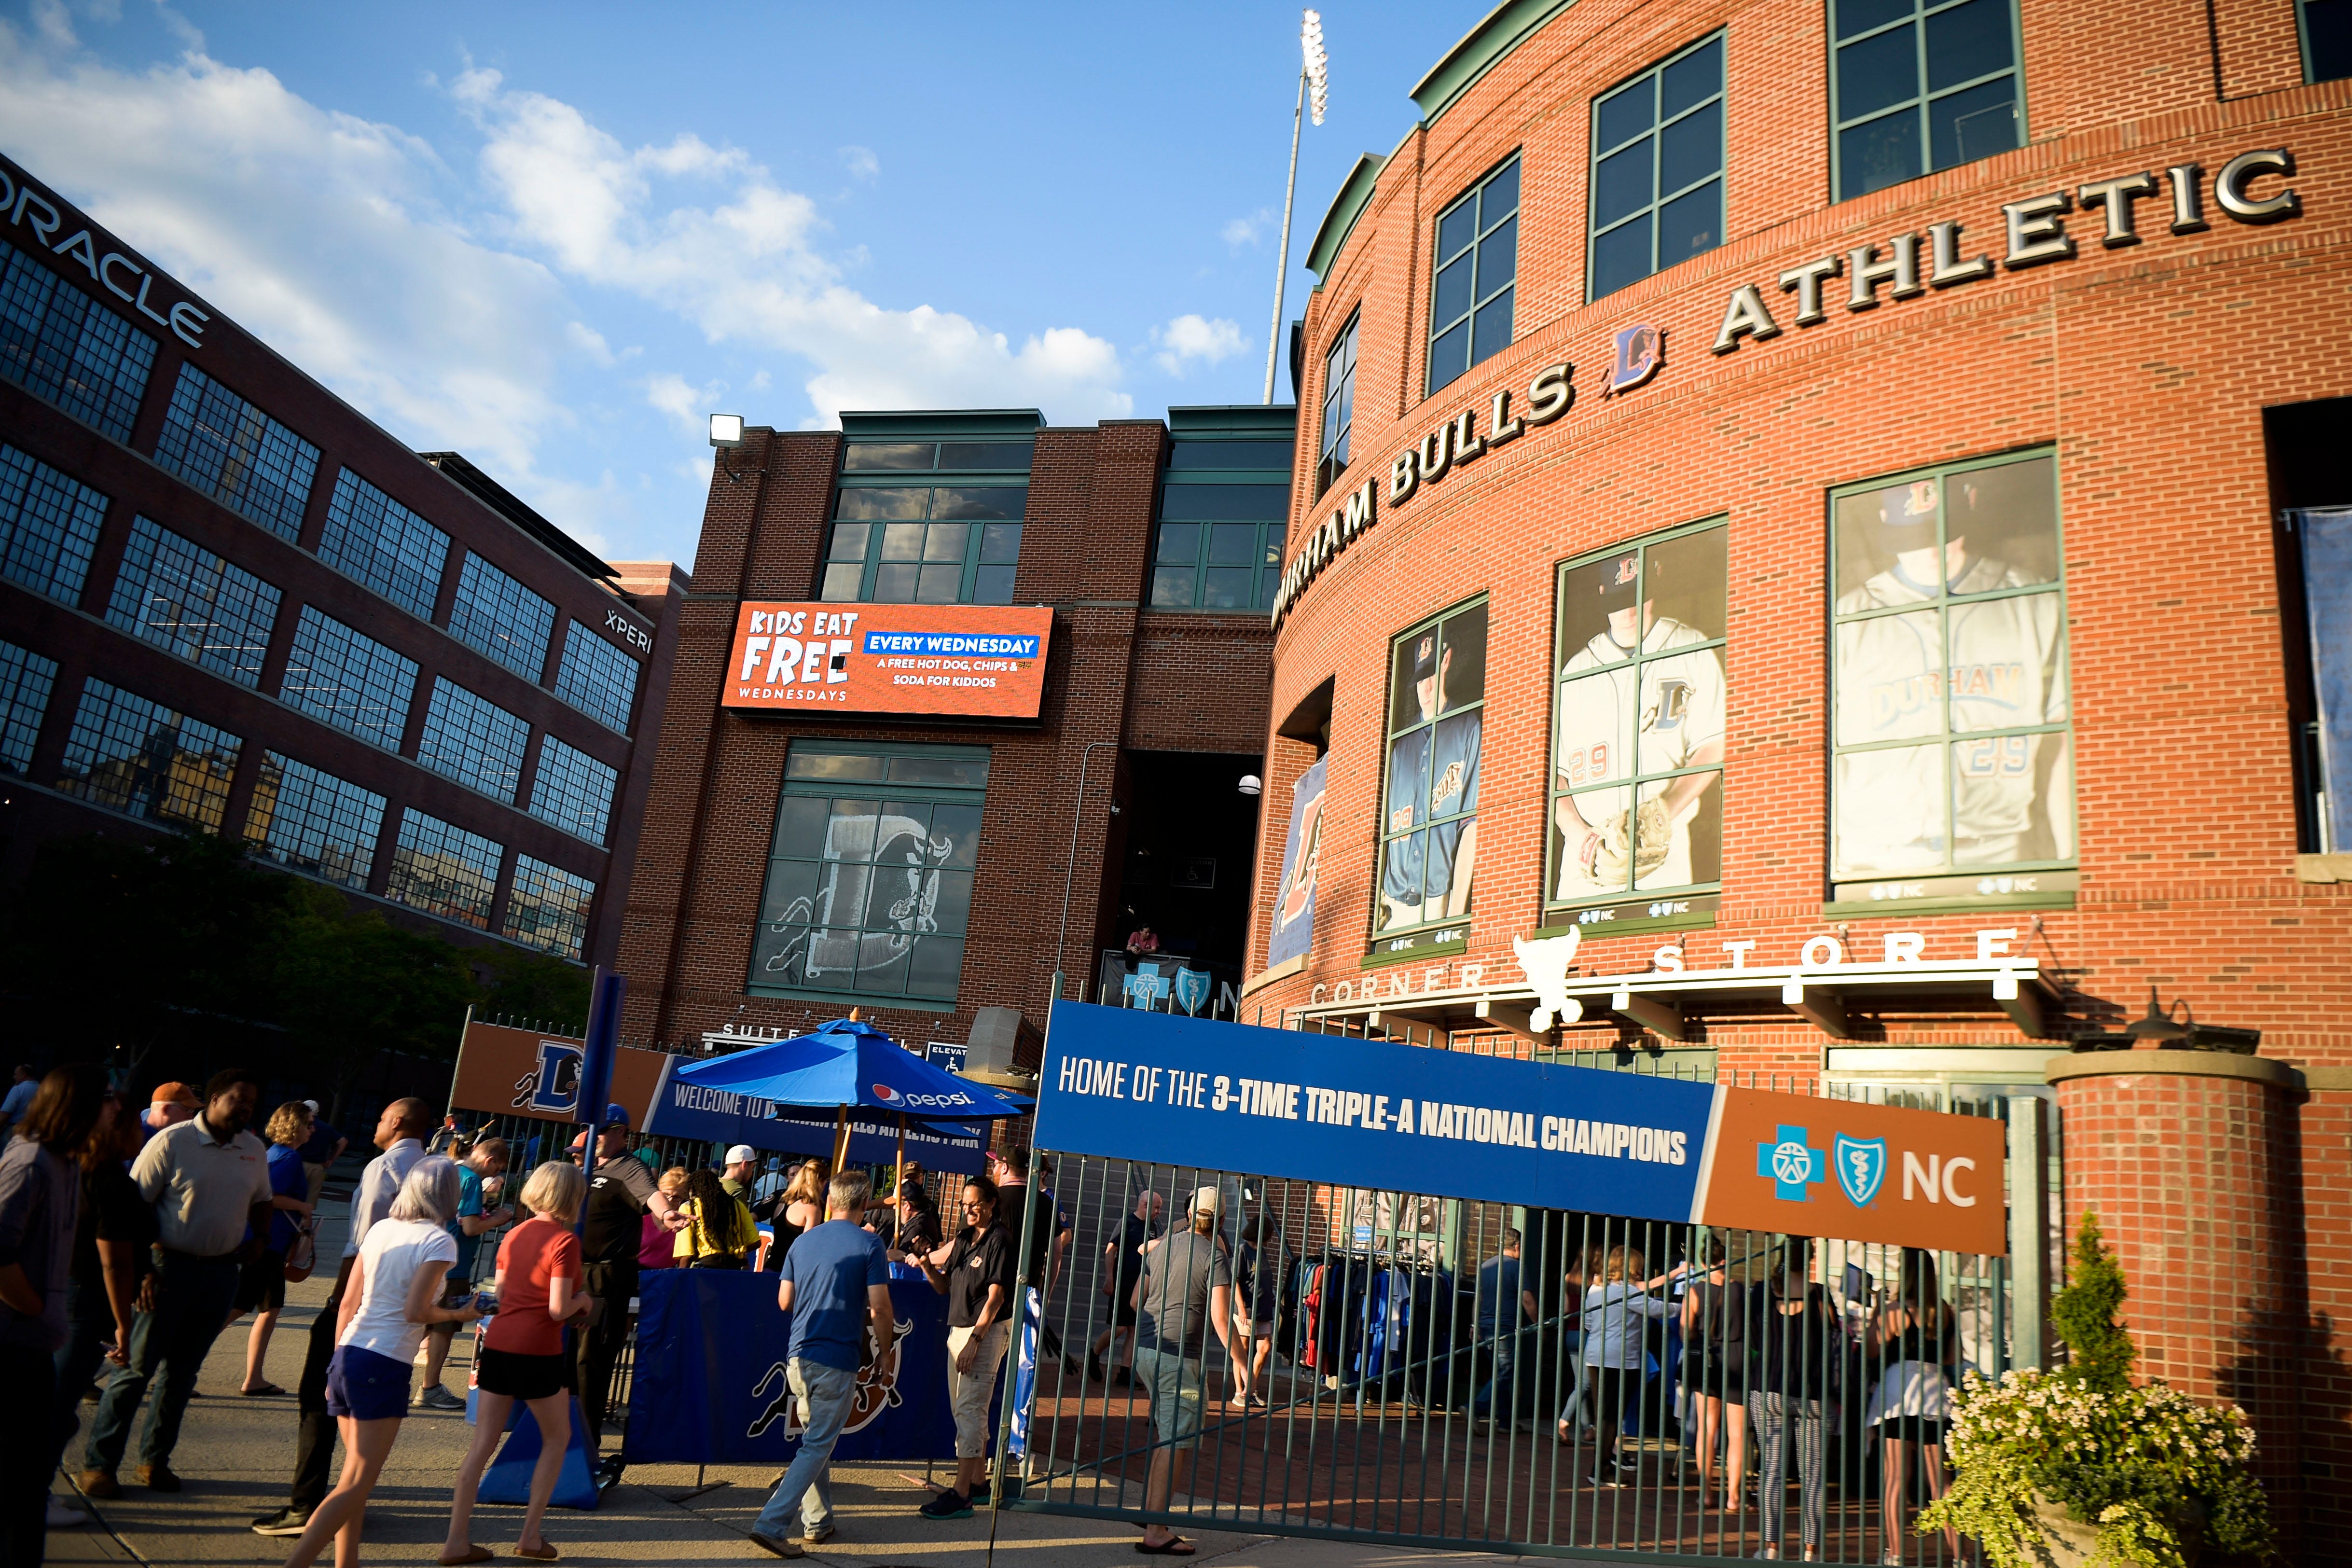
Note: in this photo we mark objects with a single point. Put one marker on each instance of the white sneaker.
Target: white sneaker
(63, 1515)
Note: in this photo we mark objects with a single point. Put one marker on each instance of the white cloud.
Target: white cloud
(1192, 338)
(589, 341)
(861, 162)
(1240, 231)
(690, 405)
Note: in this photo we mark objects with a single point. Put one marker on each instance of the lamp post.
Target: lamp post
(1314, 76)
(1070, 866)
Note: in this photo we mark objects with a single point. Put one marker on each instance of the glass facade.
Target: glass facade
(923, 545)
(349, 679)
(1657, 168)
(2326, 27)
(597, 677)
(25, 682)
(1218, 546)
(48, 526)
(1429, 825)
(496, 615)
(1338, 406)
(444, 870)
(572, 790)
(1920, 85)
(869, 880)
(473, 740)
(236, 454)
(547, 908)
(59, 343)
(1473, 275)
(187, 601)
(373, 539)
(130, 754)
(313, 822)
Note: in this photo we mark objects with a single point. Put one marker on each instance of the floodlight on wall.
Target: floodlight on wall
(726, 435)
(1250, 784)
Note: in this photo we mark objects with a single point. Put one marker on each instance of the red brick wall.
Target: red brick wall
(2325, 1371)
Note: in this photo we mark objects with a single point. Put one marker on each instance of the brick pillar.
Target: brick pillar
(2192, 1160)
(2327, 1375)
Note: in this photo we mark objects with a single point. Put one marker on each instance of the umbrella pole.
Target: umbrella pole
(840, 1140)
(899, 1180)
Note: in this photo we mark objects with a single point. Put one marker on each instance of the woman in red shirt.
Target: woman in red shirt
(522, 1355)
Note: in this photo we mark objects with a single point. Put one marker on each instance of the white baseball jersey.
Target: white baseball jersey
(2006, 667)
(1608, 731)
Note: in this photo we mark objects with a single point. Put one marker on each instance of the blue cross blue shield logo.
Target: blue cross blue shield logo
(1146, 986)
(1192, 989)
(1861, 1167)
(1791, 1163)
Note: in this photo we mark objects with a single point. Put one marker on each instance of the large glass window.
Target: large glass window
(572, 790)
(1638, 720)
(1429, 822)
(1951, 710)
(1219, 546)
(2327, 29)
(1657, 168)
(1920, 85)
(495, 615)
(59, 343)
(349, 679)
(133, 755)
(1477, 262)
(184, 599)
(597, 677)
(870, 876)
(547, 908)
(925, 546)
(48, 526)
(25, 682)
(1338, 407)
(313, 822)
(473, 740)
(372, 538)
(236, 454)
(441, 869)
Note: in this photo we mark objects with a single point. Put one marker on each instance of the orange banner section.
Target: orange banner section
(513, 1072)
(1862, 1173)
(982, 661)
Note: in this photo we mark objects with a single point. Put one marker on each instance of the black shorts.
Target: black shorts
(524, 1377)
(1912, 1429)
(261, 1284)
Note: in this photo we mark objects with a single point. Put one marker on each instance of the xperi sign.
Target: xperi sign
(1281, 1102)
(980, 661)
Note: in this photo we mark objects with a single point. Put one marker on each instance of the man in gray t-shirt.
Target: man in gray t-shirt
(1186, 1289)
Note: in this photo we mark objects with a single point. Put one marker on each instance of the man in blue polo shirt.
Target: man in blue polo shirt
(836, 1281)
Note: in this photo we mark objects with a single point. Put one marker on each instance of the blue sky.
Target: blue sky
(554, 238)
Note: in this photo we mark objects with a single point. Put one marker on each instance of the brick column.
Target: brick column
(2192, 1160)
(2327, 1370)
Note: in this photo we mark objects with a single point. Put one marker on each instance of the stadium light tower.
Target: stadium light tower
(1315, 83)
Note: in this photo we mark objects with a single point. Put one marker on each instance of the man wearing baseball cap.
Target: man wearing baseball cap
(171, 1104)
(735, 1172)
(620, 1192)
(1186, 1289)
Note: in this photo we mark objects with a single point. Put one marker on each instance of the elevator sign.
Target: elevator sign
(978, 661)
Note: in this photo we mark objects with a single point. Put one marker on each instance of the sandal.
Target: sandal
(1174, 1546)
(267, 1389)
(472, 1555)
(546, 1553)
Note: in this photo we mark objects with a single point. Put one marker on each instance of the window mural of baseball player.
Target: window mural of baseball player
(1430, 821)
(1637, 777)
(1951, 687)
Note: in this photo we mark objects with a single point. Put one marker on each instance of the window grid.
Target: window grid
(1338, 406)
(50, 523)
(1219, 546)
(442, 869)
(187, 601)
(1920, 85)
(1658, 154)
(2324, 27)
(547, 908)
(349, 679)
(373, 539)
(61, 345)
(130, 754)
(25, 682)
(572, 790)
(952, 545)
(313, 822)
(1473, 276)
(236, 454)
(597, 677)
(1430, 799)
(498, 617)
(473, 740)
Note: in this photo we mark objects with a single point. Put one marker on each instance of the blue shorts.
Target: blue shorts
(366, 1386)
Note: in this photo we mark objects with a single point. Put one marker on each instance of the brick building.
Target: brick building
(230, 602)
(1649, 379)
(924, 866)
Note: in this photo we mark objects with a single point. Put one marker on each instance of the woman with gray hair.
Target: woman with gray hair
(393, 1295)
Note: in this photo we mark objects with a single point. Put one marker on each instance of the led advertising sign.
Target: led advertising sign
(976, 661)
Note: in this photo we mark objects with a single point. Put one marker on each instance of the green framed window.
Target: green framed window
(1338, 405)
(1473, 275)
(869, 885)
(1657, 168)
(1217, 539)
(1429, 815)
(1920, 85)
(1951, 745)
(1639, 704)
(953, 542)
(2324, 28)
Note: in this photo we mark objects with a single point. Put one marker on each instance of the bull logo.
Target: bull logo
(877, 1390)
(1546, 962)
(1861, 1167)
(553, 1081)
(1640, 352)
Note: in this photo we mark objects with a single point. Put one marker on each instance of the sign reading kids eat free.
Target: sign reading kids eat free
(985, 662)
(1191, 1092)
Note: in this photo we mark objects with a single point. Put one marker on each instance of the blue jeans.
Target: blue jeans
(1502, 1356)
(79, 1359)
(193, 1296)
(824, 1393)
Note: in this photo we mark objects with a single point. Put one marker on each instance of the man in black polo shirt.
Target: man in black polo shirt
(1049, 1239)
(620, 1191)
(977, 1279)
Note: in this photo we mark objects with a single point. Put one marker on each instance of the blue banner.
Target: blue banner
(1292, 931)
(1168, 1090)
(708, 1386)
(684, 1109)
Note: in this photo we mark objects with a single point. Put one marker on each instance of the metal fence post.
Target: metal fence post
(2029, 1230)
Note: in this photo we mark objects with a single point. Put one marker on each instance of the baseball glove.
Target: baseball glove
(1642, 836)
